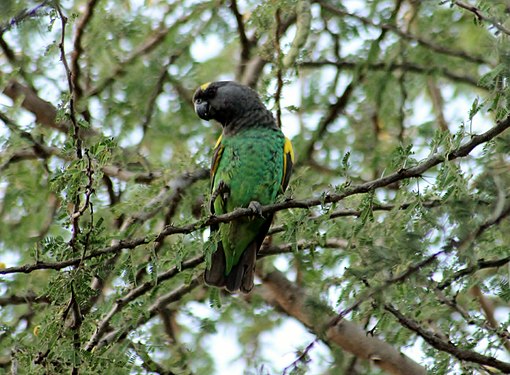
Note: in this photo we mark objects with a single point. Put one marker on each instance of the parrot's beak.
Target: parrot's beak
(202, 109)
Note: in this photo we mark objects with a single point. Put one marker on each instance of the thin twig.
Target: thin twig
(302, 357)
(151, 105)
(479, 265)
(134, 293)
(333, 111)
(152, 311)
(395, 66)
(373, 291)
(70, 82)
(22, 16)
(153, 41)
(482, 17)
(246, 44)
(279, 67)
(460, 246)
(78, 47)
(447, 346)
(405, 35)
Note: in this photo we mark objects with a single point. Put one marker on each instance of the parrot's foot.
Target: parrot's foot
(256, 208)
(222, 190)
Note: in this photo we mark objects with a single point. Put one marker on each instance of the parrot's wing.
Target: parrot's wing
(215, 275)
(288, 162)
(218, 152)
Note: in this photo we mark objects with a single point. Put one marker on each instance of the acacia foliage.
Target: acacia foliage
(394, 228)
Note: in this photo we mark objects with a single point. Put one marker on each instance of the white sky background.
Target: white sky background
(280, 345)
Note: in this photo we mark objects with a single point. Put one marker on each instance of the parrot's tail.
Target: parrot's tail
(242, 274)
(215, 276)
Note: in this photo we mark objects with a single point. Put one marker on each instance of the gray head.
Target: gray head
(228, 103)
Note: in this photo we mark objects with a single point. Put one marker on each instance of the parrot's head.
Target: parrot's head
(225, 101)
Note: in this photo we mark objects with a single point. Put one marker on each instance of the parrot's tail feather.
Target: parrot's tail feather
(242, 274)
(215, 276)
(240, 277)
(250, 258)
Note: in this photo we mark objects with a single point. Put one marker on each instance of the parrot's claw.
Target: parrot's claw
(223, 191)
(256, 208)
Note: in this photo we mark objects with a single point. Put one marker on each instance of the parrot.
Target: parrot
(251, 166)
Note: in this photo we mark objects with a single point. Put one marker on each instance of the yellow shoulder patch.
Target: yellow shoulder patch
(205, 86)
(288, 162)
(218, 141)
(287, 149)
(218, 151)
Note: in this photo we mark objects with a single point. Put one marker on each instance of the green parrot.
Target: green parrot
(251, 165)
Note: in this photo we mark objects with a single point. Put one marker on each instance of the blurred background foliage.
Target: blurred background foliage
(103, 166)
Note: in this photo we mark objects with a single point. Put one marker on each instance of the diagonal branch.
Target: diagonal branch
(347, 335)
(266, 250)
(447, 346)
(482, 17)
(133, 294)
(396, 66)
(479, 265)
(152, 42)
(152, 311)
(460, 245)
(333, 112)
(22, 16)
(405, 35)
(45, 113)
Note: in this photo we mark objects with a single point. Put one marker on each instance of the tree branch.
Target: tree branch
(482, 17)
(479, 265)
(153, 310)
(29, 298)
(405, 35)
(22, 16)
(347, 335)
(447, 346)
(78, 47)
(255, 66)
(491, 322)
(325, 198)
(45, 113)
(133, 294)
(395, 66)
(150, 44)
(460, 245)
(333, 111)
(245, 43)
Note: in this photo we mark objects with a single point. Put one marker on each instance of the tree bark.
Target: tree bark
(316, 316)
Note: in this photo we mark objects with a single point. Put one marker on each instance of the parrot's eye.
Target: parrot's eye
(198, 100)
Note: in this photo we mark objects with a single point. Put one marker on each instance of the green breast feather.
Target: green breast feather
(251, 165)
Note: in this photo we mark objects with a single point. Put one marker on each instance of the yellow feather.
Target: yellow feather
(217, 157)
(218, 142)
(205, 86)
(287, 149)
